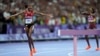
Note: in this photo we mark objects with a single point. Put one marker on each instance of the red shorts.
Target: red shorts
(92, 25)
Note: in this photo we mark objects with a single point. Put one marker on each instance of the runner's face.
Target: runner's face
(30, 8)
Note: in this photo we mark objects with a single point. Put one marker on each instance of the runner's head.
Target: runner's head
(30, 7)
(91, 10)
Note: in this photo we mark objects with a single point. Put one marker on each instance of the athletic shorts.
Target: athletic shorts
(31, 24)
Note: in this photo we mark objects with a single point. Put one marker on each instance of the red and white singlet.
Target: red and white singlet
(91, 21)
(28, 16)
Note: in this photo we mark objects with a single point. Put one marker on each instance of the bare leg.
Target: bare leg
(87, 40)
(30, 33)
(97, 42)
(31, 40)
(27, 31)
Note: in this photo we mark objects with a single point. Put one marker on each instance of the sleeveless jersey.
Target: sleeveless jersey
(28, 16)
(91, 21)
(91, 18)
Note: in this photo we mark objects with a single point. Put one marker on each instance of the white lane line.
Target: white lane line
(71, 53)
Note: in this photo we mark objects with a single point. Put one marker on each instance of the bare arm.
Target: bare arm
(16, 14)
(43, 14)
(85, 13)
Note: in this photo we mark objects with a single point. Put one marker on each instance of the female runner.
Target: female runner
(29, 22)
(92, 25)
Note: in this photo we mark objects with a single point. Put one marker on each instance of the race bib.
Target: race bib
(28, 21)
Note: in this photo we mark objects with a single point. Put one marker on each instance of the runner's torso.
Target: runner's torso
(28, 16)
(92, 22)
(91, 18)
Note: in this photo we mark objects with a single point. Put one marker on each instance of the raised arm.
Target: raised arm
(85, 13)
(17, 14)
(43, 14)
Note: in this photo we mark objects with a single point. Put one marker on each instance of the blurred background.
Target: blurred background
(67, 14)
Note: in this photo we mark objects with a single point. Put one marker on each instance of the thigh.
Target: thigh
(26, 29)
